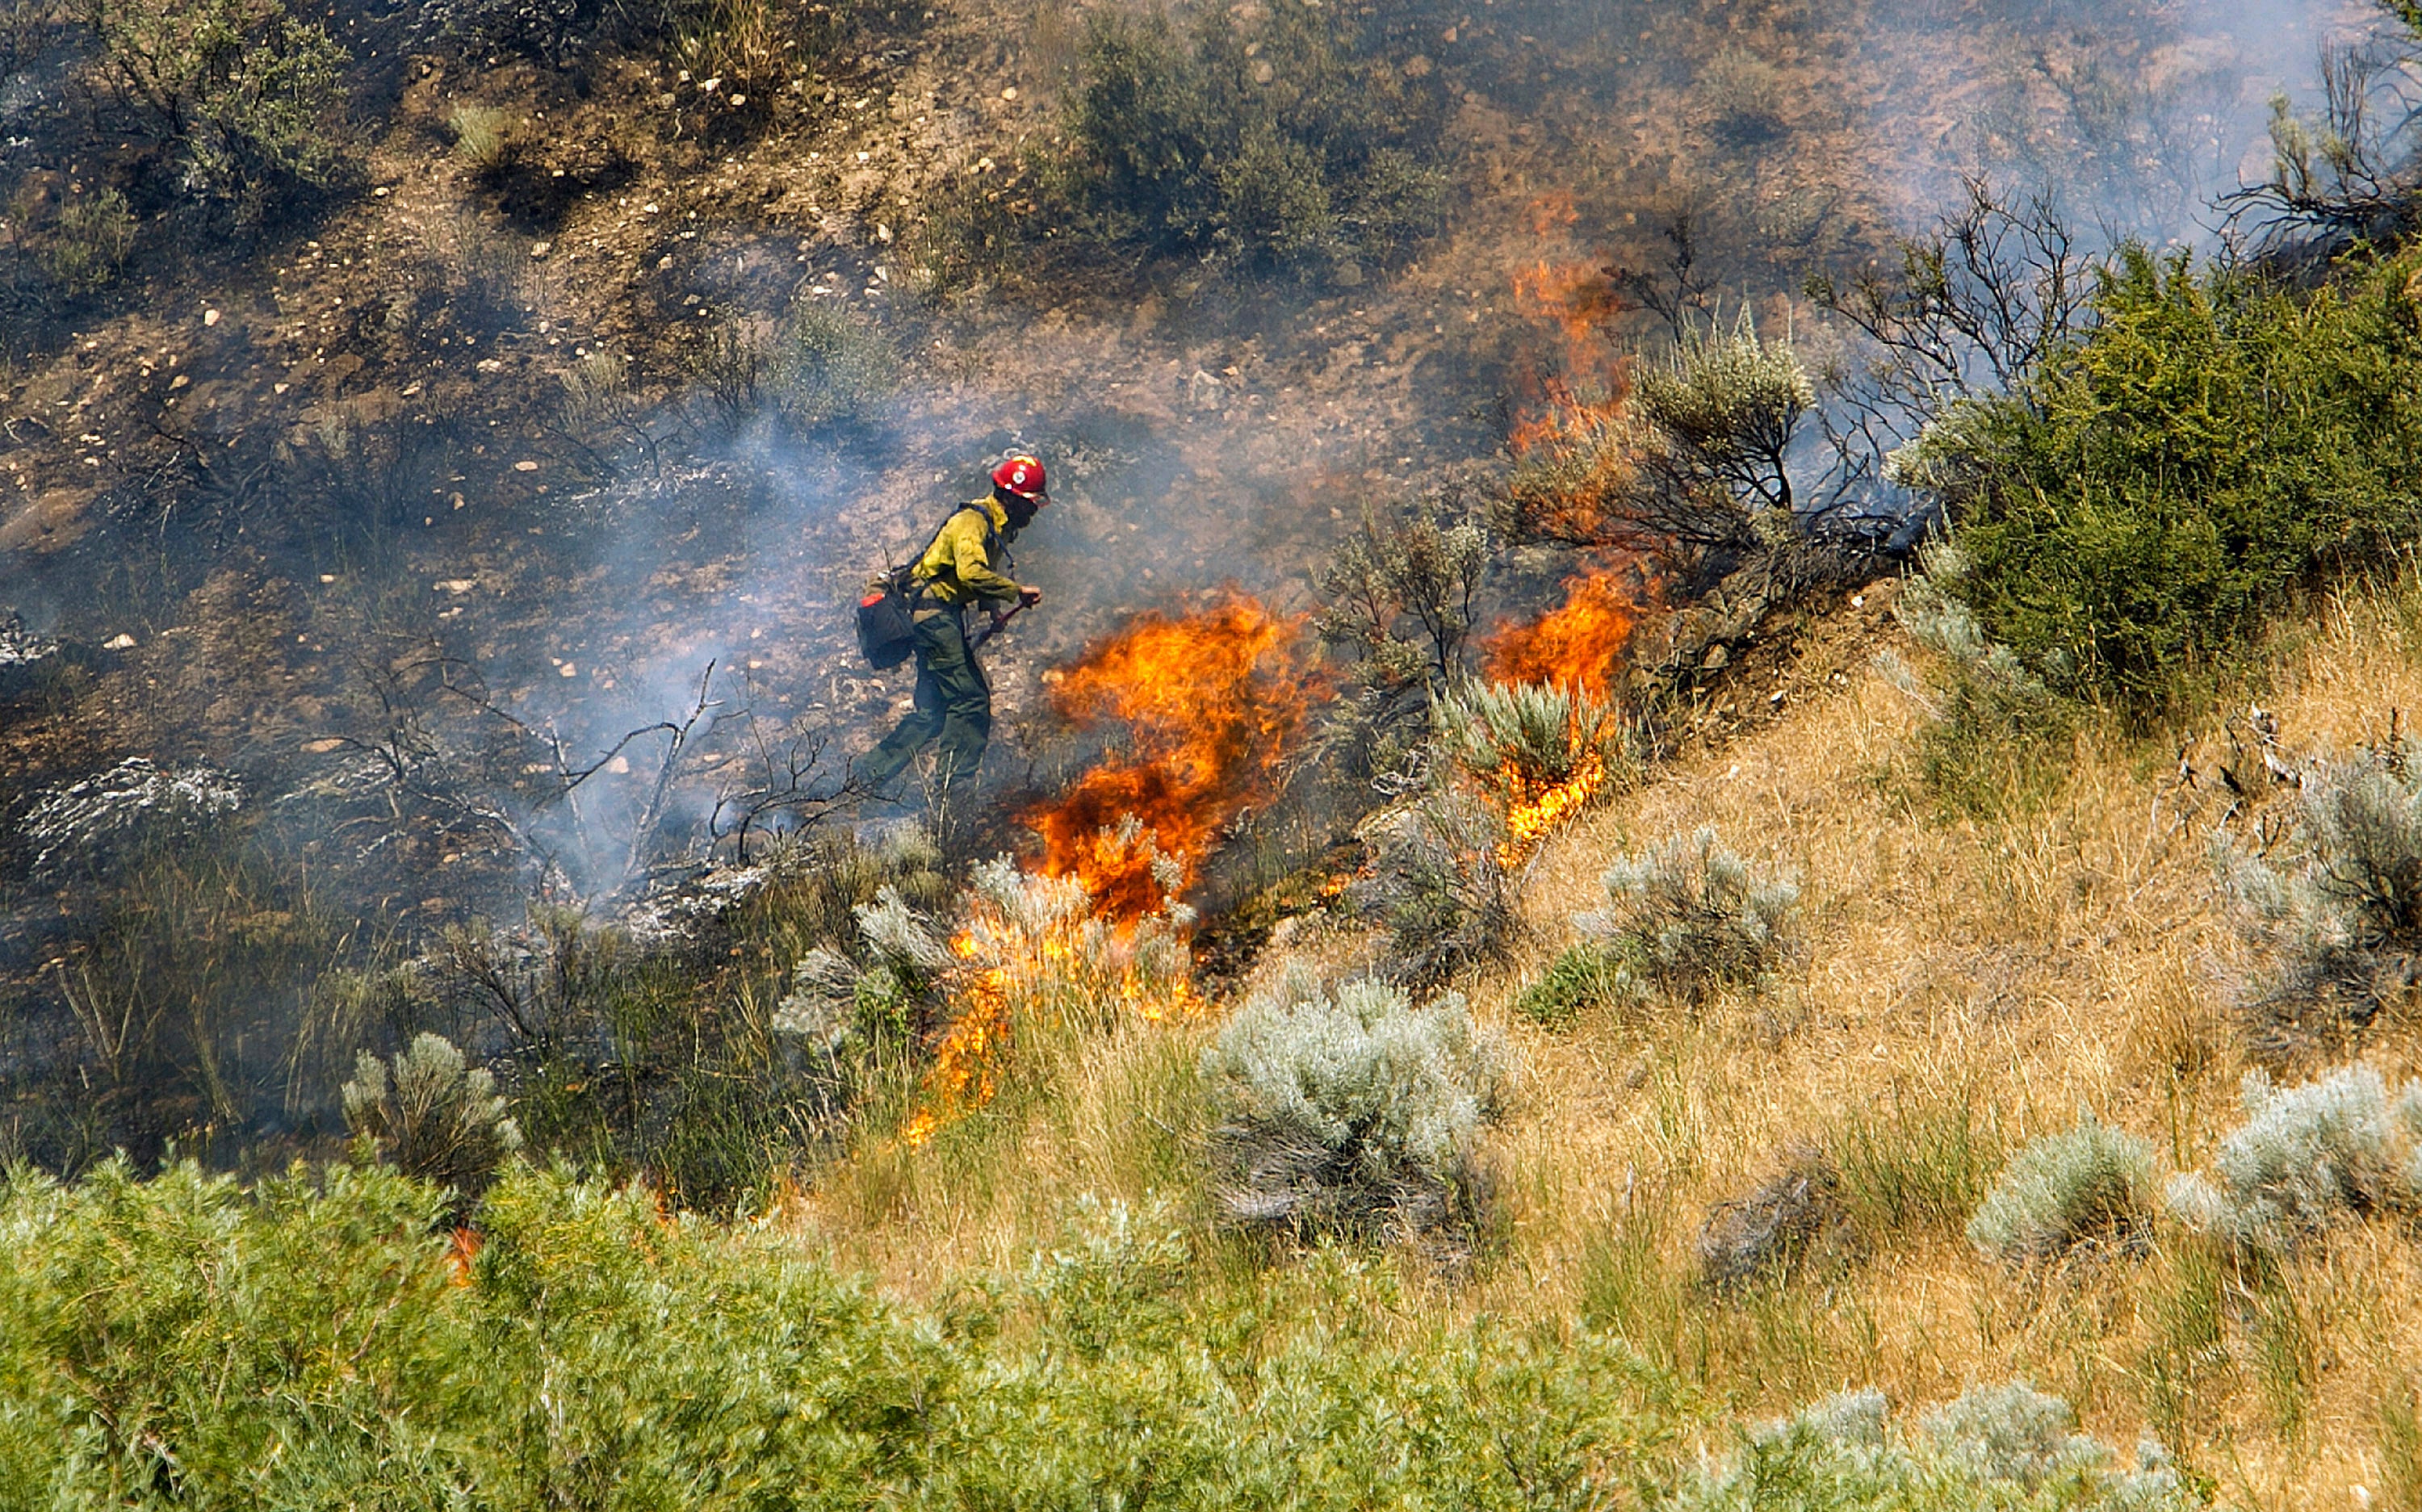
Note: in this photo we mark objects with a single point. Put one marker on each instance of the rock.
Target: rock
(1206, 392)
(1716, 659)
(121, 642)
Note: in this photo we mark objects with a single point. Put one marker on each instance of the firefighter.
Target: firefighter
(963, 567)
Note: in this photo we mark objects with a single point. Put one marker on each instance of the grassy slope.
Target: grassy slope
(1990, 976)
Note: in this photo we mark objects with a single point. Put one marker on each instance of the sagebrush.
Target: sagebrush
(1348, 1108)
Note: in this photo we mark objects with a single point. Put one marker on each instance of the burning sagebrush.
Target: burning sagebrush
(1210, 701)
(1036, 955)
(1579, 644)
(1541, 754)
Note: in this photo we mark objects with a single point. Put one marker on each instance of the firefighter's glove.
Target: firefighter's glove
(1029, 598)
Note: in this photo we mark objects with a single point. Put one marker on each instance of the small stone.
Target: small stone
(525, 465)
(568, 670)
(280, 388)
(1717, 658)
(1010, 93)
(179, 382)
(540, 250)
(121, 642)
(210, 317)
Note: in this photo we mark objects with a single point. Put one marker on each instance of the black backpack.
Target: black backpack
(885, 629)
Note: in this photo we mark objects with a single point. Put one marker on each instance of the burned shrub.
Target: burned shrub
(1351, 1110)
(432, 1116)
(1690, 918)
(1437, 881)
(2339, 927)
(1795, 1216)
(102, 823)
(1287, 139)
(1400, 592)
(1694, 467)
(2091, 1185)
(1740, 93)
(2308, 1158)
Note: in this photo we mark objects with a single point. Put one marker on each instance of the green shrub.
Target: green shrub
(829, 366)
(2339, 927)
(1351, 1109)
(2090, 1184)
(309, 1342)
(251, 94)
(430, 1116)
(1920, 1166)
(1690, 918)
(1580, 979)
(1288, 137)
(1995, 737)
(89, 246)
(2307, 1158)
(2161, 487)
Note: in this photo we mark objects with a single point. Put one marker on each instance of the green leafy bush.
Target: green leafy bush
(432, 1116)
(2307, 1158)
(1288, 137)
(2092, 1184)
(251, 94)
(1690, 918)
(2159, 488)
(1350, 1109)
(2339, 927)
(1581, 978)
(1994, 734)
(309, 1342)
(87, 248)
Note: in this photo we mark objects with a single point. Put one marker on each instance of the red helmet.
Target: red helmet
(1021, 473)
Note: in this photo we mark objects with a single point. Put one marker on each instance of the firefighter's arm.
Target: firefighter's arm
(974, 570)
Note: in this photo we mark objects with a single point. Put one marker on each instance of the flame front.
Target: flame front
(1209, 701)
(1577, 645)
(1532, 810)
(1036, 954)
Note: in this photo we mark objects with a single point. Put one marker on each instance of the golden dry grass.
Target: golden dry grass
(2015, 972)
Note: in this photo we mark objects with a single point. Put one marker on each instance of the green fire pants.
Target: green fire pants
(953, 706)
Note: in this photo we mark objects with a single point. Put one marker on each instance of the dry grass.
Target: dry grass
(2072, 956)
(1955, 975)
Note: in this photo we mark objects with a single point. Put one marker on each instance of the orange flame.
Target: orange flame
(1018, 976)
(1210, 700)
(462, 1252)
(1533, 810)
(1578, 644)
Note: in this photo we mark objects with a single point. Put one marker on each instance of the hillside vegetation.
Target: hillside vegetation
(1916, 1011)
